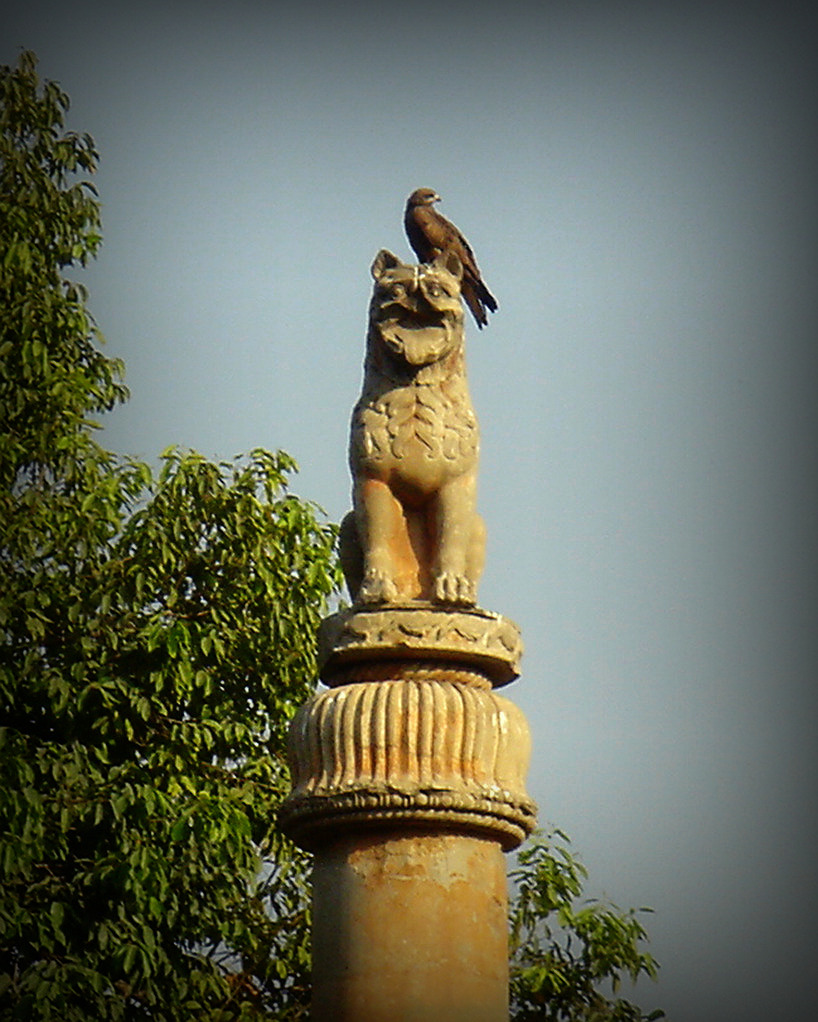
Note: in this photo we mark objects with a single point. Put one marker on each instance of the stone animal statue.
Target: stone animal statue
(414, 533)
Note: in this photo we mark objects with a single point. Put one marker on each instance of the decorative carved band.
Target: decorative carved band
(417, 750)
(477, 640)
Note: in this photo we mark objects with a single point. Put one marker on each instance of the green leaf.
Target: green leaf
(179, 829)
(57, 913)
(129, 958)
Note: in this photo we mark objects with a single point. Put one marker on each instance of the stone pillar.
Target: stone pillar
(408, 785)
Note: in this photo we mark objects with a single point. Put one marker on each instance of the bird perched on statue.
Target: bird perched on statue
(430, 234)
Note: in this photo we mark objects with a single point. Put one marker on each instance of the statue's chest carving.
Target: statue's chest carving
(413, 424)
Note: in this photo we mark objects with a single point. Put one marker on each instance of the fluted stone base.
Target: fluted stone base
(428, 752)
(411, 729)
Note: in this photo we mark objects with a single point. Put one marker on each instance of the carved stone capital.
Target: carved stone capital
(463, 644)
(416, 752)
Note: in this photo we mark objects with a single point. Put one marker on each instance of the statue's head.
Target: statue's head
(416, 310)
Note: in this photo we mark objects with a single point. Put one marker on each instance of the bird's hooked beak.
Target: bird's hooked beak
(436, 198)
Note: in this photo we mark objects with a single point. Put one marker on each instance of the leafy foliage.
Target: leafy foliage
(152, 650)
(563, 951)
(147, 681)
(51, 373)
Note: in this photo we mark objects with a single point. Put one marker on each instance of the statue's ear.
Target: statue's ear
(448, 260)
(384, 260)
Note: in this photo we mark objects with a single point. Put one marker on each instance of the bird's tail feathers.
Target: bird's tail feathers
(474, 283)
(486, 297)
(474, 302)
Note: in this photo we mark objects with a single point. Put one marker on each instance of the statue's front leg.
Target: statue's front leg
(379, 517)
(454, 582)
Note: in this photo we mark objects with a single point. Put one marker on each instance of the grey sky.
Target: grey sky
(638, 182)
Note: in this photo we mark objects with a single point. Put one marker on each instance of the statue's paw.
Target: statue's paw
(452, 588)
(377, 587)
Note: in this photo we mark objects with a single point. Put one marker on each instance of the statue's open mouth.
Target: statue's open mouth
(419, 341)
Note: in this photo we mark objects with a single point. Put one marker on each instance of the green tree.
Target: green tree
(566, 950)
(153, 647)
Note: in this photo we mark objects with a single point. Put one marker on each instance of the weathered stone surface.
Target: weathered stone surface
(438, 753)
(414, 532)
(445, 640)
(410, 927)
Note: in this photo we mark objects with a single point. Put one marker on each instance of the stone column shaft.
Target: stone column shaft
(421, 919)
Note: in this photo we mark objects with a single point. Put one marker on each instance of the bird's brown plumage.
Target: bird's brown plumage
(430, 234)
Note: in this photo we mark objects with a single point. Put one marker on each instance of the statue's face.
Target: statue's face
(416, 310)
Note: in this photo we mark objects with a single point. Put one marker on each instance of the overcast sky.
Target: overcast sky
(638, 181)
